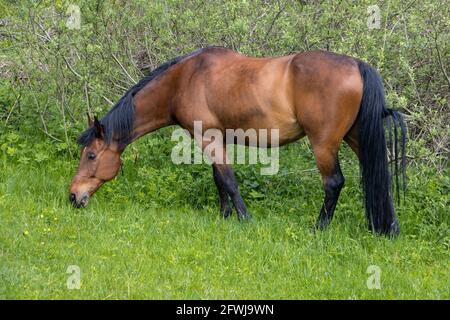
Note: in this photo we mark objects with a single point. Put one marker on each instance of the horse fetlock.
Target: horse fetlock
(243, 214)
(226, 211)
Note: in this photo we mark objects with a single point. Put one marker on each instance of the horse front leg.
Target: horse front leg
(224, 177)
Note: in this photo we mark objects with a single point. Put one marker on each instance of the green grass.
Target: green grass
(155, 232)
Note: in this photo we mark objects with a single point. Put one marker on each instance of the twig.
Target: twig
(51, 136)
(441, 63)
(88, 100)
(80, 77)
(12, 108)
(130, 56)
(298, 171)
(273, 21)
(123, 68)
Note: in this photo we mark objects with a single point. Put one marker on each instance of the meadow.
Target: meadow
(155, 232)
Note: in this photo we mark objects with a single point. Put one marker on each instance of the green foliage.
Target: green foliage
(155, 231)
(57, 74)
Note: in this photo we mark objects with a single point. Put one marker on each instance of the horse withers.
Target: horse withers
(325, 96)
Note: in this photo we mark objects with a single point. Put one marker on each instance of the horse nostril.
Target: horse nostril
(84, 201)
(72, 197)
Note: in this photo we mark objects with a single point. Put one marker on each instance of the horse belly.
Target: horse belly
(270, 128)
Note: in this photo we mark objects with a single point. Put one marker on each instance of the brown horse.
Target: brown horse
(322, 95)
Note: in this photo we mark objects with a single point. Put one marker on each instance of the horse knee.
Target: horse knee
(333, 184)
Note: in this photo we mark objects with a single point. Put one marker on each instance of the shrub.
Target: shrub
(52, 75)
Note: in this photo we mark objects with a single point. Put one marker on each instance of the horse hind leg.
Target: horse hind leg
(332, 179)
(351, 138)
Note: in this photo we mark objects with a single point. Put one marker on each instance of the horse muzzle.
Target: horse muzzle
(80, 201)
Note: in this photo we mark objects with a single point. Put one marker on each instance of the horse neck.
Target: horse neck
(152, 106)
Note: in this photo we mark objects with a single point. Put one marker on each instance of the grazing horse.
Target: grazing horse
(325, 96)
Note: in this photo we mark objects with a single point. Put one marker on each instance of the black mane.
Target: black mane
(118, 122)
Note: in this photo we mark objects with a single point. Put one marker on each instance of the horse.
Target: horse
(325, 96)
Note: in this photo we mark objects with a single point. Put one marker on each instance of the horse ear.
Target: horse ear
(90, 122)
(98, 128)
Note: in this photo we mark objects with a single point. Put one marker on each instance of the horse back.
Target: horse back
(225, 89)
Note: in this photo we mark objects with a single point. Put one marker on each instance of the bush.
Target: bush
(52, 75)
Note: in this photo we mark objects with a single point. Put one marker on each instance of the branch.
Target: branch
(441, 63)
(80, 77)
(273, 22)
(123, 68)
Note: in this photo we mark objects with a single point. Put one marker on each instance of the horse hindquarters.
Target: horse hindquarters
(328, 94)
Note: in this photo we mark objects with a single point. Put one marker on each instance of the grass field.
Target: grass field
(155, 232)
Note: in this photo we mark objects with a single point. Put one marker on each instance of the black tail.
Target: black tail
(373, 153)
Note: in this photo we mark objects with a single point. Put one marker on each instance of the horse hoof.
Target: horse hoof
(321, 225)
(245, 217)
(226, 213)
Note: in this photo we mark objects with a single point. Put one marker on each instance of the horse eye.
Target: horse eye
(91, 156)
